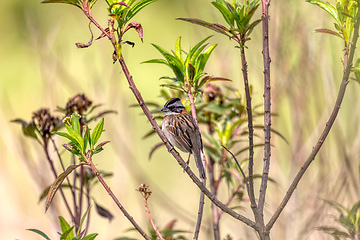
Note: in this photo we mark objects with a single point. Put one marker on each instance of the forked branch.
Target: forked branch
(348, 60)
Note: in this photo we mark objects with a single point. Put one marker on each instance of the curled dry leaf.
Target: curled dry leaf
(85, 45)
(138, 28)
(57, 183)
(129, 43)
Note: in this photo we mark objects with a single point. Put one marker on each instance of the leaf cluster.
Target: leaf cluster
(68, 232)
(349, 218)
(238, 18)
(344, 13)
(124, 11)
(189, 71)
(82, 143)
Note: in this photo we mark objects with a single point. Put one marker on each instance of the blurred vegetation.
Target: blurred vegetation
(41, 67)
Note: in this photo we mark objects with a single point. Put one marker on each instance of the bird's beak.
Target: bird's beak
(163, 109)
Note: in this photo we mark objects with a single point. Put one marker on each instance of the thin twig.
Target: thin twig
(267, 106)
(348, 60)
(242, 172)
(151, 220)
(145, 192)
(200, 213)
(112, 195)
(202, 195)
(254, 208)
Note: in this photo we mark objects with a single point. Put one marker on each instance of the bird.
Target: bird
(181, 130)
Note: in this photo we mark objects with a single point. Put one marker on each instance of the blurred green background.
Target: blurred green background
(41, 67)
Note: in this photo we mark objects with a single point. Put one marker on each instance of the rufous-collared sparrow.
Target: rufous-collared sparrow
(182, 131)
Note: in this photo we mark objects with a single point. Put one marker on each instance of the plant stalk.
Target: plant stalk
(348, 60)
(267, 106)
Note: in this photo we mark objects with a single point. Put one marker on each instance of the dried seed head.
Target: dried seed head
(45, 122)
(79, 103)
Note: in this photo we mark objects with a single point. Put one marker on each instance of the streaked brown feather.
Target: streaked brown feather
(182, 127)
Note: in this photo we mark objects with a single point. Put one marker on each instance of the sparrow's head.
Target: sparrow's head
(173, 106)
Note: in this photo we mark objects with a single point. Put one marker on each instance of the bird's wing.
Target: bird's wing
(178, 128)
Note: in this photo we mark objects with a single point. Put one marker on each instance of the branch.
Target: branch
(176, 155)
(112, 195)
(202, 195)
(145, 192)
(267, 106)
(242, 172)
(200, 213)
(251, 136)
(348, 60)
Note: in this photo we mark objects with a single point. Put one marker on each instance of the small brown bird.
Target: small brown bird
(181, 131)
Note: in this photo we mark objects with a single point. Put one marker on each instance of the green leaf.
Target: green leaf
(214, 108)
(67, 233)
(233, 126)
(162, 61)
(73, 148)
(213, 26)
(172, 86)
(212, 140)
(337, 234)
(273, 131)
(195, 51)
(55, 186)
(328, 7)
(247, 148)
(205, 58)
(250, 28)
(357, 74)
(27, 128)
(170, 232)
(178, 52)
(75, 123)
(99, 147)
(175, 64)
(40, 233)
(191, 72)
(225, 12)
(82, 220)
(66, 136)
(208, 78)
(87, 138)
(92, 2)
(76, 3)
(76, 136)
(90, 236)
(137, 7)
(97, 132)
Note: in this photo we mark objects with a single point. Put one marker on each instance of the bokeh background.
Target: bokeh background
(41, 67)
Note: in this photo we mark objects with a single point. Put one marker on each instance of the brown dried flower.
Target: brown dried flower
(45, 121)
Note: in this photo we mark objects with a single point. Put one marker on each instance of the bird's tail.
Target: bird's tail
(199, 157)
